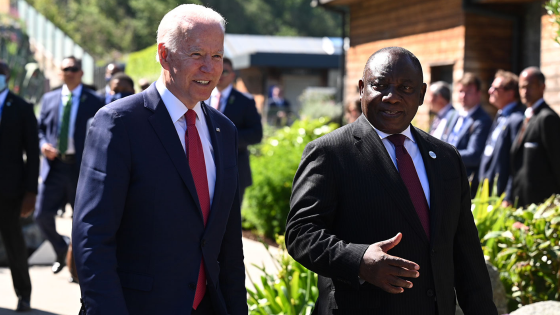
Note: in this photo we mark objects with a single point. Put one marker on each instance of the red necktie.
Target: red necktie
(198, 170)
(411, 181)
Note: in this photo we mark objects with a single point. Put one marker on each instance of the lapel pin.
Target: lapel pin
(432, 154)
(218, 129)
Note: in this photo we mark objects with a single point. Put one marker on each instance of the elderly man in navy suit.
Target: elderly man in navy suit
(469, 127)
(241, 110)
(63, 121)
(157, 227)
(504, 95)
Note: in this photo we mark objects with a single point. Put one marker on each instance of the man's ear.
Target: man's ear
(361, 87)
(424, 88)
(162, 56)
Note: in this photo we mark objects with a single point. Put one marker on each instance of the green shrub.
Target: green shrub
(274, 164)
(524, 245)
(553, 9)
(143, 64)
(292, 291)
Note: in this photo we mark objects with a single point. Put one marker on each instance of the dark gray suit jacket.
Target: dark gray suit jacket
(347, 194)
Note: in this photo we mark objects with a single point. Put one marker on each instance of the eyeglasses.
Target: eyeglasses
(71, 69)
(226, 72)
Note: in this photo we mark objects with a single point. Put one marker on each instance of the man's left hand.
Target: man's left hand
(28, 204)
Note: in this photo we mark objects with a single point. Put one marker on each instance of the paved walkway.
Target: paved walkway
(54, 295)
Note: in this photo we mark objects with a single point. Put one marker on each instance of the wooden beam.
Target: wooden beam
(502, 1)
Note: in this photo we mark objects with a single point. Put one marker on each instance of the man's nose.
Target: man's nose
(392, 96)
(208, 64)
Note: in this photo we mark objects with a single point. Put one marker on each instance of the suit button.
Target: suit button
(430, 292)
(203, 243)
(192, 286)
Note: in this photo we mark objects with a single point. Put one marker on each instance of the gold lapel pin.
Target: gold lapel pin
(432, 154)
(218, 129)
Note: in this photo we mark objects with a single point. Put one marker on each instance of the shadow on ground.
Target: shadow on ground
(5, 311)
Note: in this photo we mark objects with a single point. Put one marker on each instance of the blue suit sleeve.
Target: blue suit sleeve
(472, 154)
(42, 127)
(100, 202)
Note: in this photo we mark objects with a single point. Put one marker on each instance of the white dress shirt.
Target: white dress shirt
(412, 148)
(177, 111)
(529, 111)
(3, 96)
(442, 117)
(76, 94)
(224, 95)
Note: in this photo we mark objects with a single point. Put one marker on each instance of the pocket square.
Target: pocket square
(531, 144)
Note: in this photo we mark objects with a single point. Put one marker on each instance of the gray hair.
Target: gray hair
(442, 89)
(175, 24)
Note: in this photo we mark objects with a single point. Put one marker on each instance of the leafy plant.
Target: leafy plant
(274, 163)
(143, 64)
(292, 291)
(553, 9)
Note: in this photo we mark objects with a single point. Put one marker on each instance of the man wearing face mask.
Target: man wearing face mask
(105, 93)
(18, 181)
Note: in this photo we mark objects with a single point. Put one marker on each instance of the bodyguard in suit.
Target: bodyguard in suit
(105, 93)
(242, 112)
(378, 185)
(62, 131)
(438, 97)
(18, 181)
(157, 226)
(504, 95)
(535, 153)
(469, 128)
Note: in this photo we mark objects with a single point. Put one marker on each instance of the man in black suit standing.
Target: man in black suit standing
(380, 184)
(242, 111)
(105, 93)
(495, 161)
(65, 114)
(536, 150)
(18, 180)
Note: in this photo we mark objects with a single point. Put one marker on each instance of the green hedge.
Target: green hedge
(143, 64)
(274, 164)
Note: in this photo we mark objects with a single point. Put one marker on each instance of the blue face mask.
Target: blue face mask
(3, 84)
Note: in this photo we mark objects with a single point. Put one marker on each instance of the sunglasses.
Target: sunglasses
(226, 72)
(71, 69)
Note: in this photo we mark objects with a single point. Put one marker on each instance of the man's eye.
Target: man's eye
(378, 86)
(218, 56)
(407, 88)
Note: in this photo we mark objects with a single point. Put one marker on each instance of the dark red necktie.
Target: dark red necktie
(411, 181)
(198, 170)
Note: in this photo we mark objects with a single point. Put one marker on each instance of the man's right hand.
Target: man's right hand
(385, 271)
(49, 151)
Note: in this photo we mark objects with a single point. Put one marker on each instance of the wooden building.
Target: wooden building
(451, 37)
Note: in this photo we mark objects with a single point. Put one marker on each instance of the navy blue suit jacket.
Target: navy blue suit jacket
(241, 110)
(138, 232)
(472, 140)
(49, 121)
(499, 162)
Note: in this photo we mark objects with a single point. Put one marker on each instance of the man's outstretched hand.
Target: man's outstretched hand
(385, 271)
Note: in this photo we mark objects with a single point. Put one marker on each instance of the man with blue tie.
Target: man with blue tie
(157, 225)
(62, 131)
(438, 97)
(504, 95)
(470, 127)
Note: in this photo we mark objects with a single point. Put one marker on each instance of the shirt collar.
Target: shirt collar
(224, 93)
(444, 110)
(537, 104)
(468, 113)
(174, 106)
(76, 91)
(3, 96)
(384, 135)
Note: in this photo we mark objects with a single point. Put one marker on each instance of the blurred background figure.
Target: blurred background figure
(438, 98)
(121, 86)
(18, 181)
(65, 113)
(105, 93)
(278, 107)
(242, 111)
(504, 95)
(469, 127)
(536, 150)
(352, 110)
(144, 84)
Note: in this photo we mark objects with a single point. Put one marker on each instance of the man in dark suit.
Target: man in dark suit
(504, 95)
(469, 128)
(438, 97)
(359, 186)
(536, 150)
(105, 93)
(242, 112)
(18, 181)
(157, 227)
(62, 131)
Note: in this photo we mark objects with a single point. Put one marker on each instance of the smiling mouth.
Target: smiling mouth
(391, 112)
(202, 82)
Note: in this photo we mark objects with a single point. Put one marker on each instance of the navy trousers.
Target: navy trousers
(55, 192)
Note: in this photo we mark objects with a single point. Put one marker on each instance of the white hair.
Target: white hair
(175, 24)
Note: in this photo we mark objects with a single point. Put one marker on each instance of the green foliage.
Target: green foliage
(274, 163)
(524, 244)
(553, 9)
(320, 102)
(293, 291)
(143, 64)
(106, 28)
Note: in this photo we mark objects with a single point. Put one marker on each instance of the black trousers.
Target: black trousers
(205, 307)
(16, 250)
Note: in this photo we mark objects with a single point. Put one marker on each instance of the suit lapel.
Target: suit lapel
(381, 166)
(433, 171)
(167, 134)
